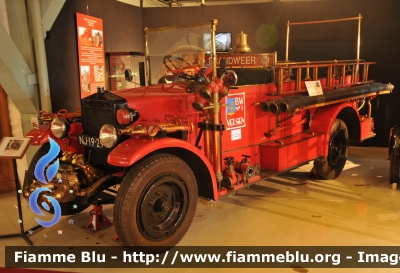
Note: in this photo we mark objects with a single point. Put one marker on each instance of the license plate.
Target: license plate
(90, 141)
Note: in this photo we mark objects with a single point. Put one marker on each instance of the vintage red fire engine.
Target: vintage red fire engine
(211, 125)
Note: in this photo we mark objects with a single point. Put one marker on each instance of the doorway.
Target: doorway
(7, 183)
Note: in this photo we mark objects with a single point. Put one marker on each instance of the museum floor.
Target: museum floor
(359, 208)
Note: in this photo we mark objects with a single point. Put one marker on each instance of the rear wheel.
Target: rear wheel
(67, 208)
(331, 166)
(156, 202)
(394, 173)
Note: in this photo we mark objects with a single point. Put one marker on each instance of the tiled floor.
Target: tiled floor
(359, 208)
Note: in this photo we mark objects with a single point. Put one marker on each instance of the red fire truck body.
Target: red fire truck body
(201, 131)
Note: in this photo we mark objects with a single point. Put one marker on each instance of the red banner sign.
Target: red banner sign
(91, 53)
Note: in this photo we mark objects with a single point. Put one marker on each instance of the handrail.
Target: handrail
(354, 61)
(335, 69)
(325, 21)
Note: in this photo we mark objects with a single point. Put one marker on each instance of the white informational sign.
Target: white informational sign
(236, 134)
(314, 88)
(14, 147)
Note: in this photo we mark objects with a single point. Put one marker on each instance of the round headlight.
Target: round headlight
(108, 135)
(59, 127)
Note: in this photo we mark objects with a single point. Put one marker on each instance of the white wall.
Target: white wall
(15, 115)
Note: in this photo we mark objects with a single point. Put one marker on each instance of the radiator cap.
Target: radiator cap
(100, 90)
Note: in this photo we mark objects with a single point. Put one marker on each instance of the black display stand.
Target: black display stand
(24, 143)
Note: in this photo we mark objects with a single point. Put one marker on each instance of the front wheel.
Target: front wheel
(331, 166)
(156, 202)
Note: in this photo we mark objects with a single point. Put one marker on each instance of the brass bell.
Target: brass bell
(241, 44)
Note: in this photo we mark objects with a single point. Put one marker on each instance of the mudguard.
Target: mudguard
(41, 136)
(133, 149)
(323, 121)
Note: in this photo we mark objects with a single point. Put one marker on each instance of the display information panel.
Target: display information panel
(91, 53)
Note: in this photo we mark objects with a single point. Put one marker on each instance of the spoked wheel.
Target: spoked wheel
(177, 66)
(156, 202)
(67, 208)
(331, 166)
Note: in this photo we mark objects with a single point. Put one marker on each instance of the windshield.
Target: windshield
(172, 49)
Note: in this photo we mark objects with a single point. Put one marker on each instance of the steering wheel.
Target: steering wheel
(178, 65)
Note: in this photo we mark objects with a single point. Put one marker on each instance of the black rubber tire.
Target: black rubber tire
(394, 172)
(155, 203)
(66, 208)
(331, 166)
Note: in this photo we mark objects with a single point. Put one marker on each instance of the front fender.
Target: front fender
(132, 150)
(41, 136)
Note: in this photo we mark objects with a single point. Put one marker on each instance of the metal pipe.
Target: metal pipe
(139, 130)
(359, 36)
(207, 140)
(307, 78)
(274, 105)
(146, 53)
(369, 108)
(287, 41)
(182, 26)
(324, 21)
(265, 106)
(216, 114)
(361, 106)
(40, 53)
(343, 75)
(298, 79)
(279, 80)
(354, 74)
(365, 72)
(217, 153)
(315, 74)
(290, 104)
(214, 23)
(338, 62)
(358, 42)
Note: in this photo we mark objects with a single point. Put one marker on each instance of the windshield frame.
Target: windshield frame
(212, 60)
